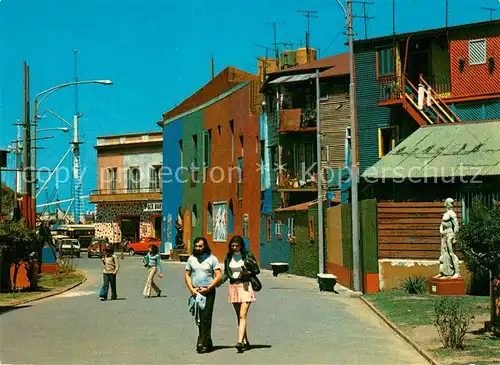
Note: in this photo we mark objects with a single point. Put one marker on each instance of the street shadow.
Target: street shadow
(256, 347)
(8, 308)
(215, 348)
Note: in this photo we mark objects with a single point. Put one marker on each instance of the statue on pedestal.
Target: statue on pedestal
(448, 262)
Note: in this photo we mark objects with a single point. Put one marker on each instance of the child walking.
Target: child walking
(153, 262)
(111, 267)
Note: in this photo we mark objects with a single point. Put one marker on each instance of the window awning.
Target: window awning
(449, 150)
(293, 78)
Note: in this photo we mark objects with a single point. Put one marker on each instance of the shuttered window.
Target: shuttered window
(385, 61)
(477, 52)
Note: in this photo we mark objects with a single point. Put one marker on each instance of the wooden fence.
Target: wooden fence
(410, 230)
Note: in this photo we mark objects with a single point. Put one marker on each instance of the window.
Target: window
(194, 216)
(181, 153)
(230, 218)
(278, 229)
(268, 229)
(477, 52)
(241, 145)
(133, 179)
(387, 137)
(311, 228)
(207, 148)
(291, 228)
(155, 178)
(257, 142)
(385, 62)
(239, 187)
(245, 225)
(209, 218)
(231, 127)
(219, 130)
(112, 175)
(195, 149)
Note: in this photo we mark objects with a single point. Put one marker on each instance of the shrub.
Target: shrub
(415, 285)
(452, 321)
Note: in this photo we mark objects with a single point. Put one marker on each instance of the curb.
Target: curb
(420, 350)
(51, 294)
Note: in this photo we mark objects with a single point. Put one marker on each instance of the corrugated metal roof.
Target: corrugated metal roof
(292, 78)
(451, 150)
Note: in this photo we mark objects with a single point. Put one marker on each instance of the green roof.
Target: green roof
(447, 150)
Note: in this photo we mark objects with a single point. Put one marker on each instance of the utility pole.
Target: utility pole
(308, 14)
(491, 10)
(27, 133)
(354, 155)
(319, 182)
(446, 14)
(212, 66)
(276, 50)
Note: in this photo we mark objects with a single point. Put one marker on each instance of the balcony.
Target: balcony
(390, 90)
(125, 195)
(297, 120)
(289, 179)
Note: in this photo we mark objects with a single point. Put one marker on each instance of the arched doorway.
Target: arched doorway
(187, 229)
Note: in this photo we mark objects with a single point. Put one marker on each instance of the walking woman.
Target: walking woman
(239, 265)
(153, 262)
(202, 276)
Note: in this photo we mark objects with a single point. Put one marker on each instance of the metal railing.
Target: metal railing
(390, 88)
(441, 84)
(297, 119)
(133, 190)
(291, 178)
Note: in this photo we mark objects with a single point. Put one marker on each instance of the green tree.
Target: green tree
(17, 244)
(8, 197)
(480, 242)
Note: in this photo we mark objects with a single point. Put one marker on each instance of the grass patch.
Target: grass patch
(46, 283)
(410, 311)
(416, 310)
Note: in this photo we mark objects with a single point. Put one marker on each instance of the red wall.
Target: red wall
(234, 107)
(474, 79)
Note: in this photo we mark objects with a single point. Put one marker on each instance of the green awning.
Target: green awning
(447, 150)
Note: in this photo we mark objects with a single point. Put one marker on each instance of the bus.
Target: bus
(82, 232)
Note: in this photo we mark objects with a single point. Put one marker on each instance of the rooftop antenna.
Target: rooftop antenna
(276, 50)
(308, 14)
(491, 10)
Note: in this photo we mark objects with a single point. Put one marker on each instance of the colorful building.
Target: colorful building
(128, 194)
(289, 181)
(454, 69)
(212, 148)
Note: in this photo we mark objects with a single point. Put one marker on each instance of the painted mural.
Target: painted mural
(220, 224)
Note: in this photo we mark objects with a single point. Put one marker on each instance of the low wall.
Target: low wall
(393, 272)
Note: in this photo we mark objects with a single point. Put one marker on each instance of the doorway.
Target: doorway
(156, 226)
(129, 227)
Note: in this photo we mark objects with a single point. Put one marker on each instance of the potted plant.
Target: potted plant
(461, 64)
(491, 64)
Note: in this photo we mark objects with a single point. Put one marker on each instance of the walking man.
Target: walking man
(203, 274)
(111, 267)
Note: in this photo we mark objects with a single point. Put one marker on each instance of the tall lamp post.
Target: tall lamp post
(39, 98)
(354, 151)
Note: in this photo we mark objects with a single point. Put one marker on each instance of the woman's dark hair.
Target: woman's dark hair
(108, 249)
(206, 247)
(241, 241)
(154, 248)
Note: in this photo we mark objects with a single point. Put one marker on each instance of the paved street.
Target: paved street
(291, 322)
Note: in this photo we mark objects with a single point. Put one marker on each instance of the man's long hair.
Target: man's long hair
(206, 247)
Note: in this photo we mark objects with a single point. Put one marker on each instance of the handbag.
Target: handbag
(256, 284)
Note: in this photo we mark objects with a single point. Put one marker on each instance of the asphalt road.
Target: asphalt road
(291, 323)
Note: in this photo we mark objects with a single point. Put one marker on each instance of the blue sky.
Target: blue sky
(157, 52)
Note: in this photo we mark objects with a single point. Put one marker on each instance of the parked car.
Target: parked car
(70, 246)
(143, 246)
(96, 247)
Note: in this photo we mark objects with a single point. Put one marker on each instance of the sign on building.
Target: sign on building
(153, 207)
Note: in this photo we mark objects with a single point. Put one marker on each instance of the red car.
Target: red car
(143, 246)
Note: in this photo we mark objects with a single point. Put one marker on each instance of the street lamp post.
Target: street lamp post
(39, 98)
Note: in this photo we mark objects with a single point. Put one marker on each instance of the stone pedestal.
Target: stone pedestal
(175, 252)
(439, 285)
